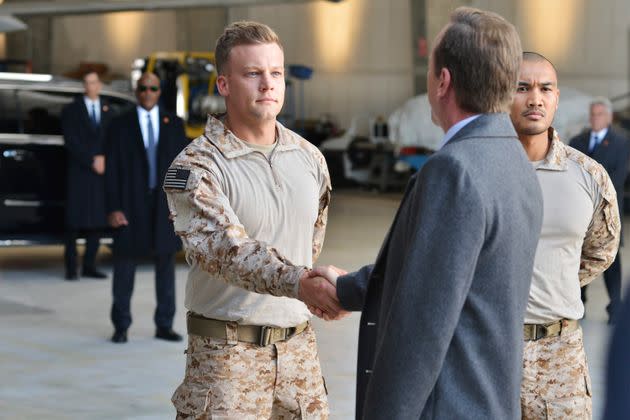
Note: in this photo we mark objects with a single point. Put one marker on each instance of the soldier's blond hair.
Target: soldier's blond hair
(482, 51)
(242, 33)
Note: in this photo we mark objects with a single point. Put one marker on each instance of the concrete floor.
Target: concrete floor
(56, 361)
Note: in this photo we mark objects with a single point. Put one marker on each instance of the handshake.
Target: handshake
(318, 290)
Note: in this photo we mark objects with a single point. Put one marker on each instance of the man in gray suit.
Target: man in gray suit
(441, 333)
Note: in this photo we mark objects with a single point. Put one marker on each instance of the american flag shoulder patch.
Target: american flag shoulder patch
(176, 178)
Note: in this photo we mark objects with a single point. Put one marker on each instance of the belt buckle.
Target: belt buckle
(265, 336)
(541, 332)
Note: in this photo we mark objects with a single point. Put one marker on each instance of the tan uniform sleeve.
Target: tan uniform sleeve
(214, 238)
(602, 238)
(322, 214)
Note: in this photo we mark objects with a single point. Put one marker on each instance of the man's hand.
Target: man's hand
(329, 272)
(117, 219)
(319, 294)
(98, 164)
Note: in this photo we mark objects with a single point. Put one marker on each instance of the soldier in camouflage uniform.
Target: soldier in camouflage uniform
(578, 241)
(249, 199)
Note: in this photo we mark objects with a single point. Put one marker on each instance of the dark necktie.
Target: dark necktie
(93, 116)
(595, 143)
(151, 154)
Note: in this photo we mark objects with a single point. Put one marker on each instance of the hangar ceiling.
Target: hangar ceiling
(66, 7)
(9, 9)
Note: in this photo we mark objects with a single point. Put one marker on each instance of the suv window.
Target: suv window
(9, 121)
(41, 111)
(26, 111)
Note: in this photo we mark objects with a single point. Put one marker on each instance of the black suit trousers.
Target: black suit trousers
(92, 241)
(612, 278)
(122, 289)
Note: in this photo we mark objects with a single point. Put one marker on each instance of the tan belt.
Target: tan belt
(533, 332)
(257, 334)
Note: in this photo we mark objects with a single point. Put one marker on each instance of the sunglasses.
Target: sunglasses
(143, 88)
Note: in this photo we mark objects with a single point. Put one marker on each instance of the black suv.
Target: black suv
(33, 157)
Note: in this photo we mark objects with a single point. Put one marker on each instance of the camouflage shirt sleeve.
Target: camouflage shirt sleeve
(602, 237)
(214, 239)
(324, 201)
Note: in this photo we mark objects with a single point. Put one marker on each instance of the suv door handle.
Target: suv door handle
(17, 154)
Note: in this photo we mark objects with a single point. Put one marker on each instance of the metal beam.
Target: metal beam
(86, 7)
(11, 24)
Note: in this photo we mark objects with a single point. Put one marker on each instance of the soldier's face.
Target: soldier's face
(253, 83)
(536, 98)
(599, 117)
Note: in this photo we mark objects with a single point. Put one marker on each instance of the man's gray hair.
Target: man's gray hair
(600, 100)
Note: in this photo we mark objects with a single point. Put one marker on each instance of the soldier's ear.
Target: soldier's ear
(223, 85)
(557, 98)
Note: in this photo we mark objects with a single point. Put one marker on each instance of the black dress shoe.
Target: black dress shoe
(93, 273)
(167, 334)
(71, 276)
(119, 337)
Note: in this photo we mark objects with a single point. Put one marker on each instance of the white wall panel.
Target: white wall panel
(114, 38)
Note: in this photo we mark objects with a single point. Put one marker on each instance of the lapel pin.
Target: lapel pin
(105, 108)
(605, 143)
(166, 120)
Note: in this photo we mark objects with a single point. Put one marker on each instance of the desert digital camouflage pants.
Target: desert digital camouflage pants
(237, 380)
(556, 382)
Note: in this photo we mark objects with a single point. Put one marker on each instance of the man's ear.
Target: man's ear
(557, 98)
(223, 85)
(444, 82)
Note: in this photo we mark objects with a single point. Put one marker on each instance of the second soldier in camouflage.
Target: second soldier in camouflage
(578, 241)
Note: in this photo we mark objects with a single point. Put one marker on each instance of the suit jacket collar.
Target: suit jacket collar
(231, 146)
(599, 133)
(80, 101)
(451, 132)
(494, 125)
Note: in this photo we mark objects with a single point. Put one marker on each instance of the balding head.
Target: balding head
(534, 57)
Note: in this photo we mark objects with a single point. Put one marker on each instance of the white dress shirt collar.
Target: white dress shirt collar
(97, 107)
(600, 134)
(155, 121)
(456, 127)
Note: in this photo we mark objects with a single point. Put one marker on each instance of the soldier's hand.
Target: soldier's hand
(117, 219)
(320, 295)
(329, 272)
(98, 164)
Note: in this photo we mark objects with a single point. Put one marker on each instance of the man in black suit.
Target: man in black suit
(617, 405)
(141, 144)
(83, 123)
(612, 151)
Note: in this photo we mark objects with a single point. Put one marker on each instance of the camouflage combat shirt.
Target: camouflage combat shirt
(580, 232)
(250, 224)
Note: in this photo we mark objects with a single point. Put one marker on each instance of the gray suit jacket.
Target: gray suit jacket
(441, 333)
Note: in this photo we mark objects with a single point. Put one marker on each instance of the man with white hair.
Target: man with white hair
(611, 150)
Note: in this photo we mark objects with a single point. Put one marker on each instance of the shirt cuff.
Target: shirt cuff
(291, 284)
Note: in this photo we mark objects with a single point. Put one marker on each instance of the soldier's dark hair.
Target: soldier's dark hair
(242, 33)
(537, 58)
(482, 51)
